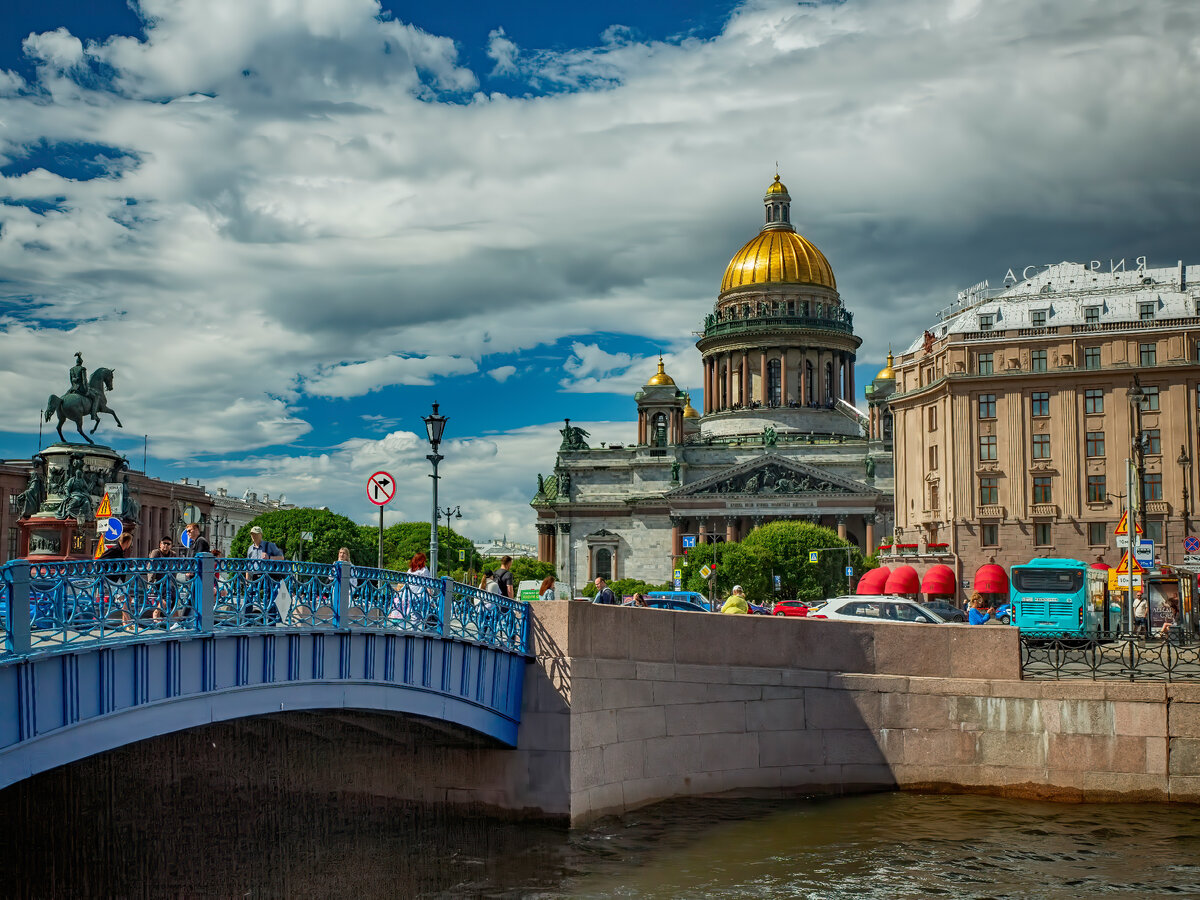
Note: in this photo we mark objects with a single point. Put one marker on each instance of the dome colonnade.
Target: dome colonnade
(779, 335)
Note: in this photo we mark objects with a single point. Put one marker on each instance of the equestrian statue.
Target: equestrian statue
(85, 397)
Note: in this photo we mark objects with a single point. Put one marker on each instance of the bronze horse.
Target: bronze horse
(76, 407)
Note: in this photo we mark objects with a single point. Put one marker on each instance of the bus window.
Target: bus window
(1030, 579)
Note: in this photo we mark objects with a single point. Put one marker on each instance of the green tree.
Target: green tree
(525, 568)
(404, 540)
(330, 532)
(735, 563)
(784, 547)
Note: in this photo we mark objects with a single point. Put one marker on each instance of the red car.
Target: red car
(790, 608)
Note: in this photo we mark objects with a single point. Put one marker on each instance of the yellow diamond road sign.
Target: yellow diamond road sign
(705, 572)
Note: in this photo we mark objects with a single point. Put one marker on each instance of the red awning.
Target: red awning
(1103, 567)
(939, 580)
(873, 581)
(903, 580)
(991, 579)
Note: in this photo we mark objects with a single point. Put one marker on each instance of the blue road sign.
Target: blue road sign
(849, 571)
(689, 541)
(113, 528)
(778, 583)
(678, 584)
(1191, 545)
(185, 538)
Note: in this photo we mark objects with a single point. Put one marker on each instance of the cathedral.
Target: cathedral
(779, 436)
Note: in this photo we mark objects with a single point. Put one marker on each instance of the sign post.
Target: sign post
(381, 488)
(1127, 541)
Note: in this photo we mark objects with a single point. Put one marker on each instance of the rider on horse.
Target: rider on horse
(79, 380)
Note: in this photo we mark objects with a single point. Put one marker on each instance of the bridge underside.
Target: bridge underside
(75, 705)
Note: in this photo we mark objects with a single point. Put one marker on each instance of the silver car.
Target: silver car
(874, 608)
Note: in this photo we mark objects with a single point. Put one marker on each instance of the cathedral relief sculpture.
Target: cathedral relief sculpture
(773, 479)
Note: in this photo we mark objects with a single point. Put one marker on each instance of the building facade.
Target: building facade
(779, 437)
(1014, 416)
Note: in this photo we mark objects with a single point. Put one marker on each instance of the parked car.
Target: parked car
(947, 611)
(688, 596)
(790, 608)
(674, 603)
(758, 609)
(874, 608)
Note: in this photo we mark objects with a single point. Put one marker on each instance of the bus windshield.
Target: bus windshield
(1055, 581)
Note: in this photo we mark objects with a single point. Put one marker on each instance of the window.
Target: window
(1042, 490)
(1093, 401)
(1096, 490)
(1097, 534)
(985, 322)
(989, 535)
(1041, 446)
(1037, 318)
(1146, 312)
(1149, 354)
(933, 497)
(1154, 530)
(933, 418)
(1091, 357)
(1152, 440)
(1152, 486)
(1037, 360)
(1040, 403)
(604, 563)
(989, 493)
(987, 406)
(1043, 534)
(932, 458)
(12, 542)
(987, 447)
(984, 365)
(1095, 444)
(1150, 399)
(1091, 315)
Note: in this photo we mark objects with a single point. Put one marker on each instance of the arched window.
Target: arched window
(887, 426)
(828, 381)
(604, 563)
(773, 386)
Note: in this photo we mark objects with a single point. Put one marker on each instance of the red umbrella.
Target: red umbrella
(1103, 567)
(873, 581)
(939, 580)
(903, 580)
(991, 579)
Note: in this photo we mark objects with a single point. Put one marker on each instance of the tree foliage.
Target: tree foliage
(330, 533)
(777, 549)
(625, 587)
(404, 540)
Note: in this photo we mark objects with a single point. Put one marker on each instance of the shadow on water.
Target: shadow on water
(64, 836)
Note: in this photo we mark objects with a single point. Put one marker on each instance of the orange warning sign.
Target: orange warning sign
(105, 509)
(100, 547)
(1123, 565)
(1123, 525)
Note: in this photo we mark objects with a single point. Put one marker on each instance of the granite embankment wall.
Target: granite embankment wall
(626, 707)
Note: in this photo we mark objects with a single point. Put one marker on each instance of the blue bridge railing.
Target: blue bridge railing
(48, 606)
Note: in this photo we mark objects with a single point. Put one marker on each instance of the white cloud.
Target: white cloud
(503, 373)
(592, 370)
(355, 379)
(58, 49)
(503, 51)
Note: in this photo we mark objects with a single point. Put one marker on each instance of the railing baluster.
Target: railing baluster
(19, 631)
(206, 574)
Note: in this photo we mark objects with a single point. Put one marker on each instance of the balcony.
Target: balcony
(990, 511)
(1158, 508)
(1044, 510)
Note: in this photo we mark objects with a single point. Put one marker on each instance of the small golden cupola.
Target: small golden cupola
(661, 378)
(689, 411)
(887, 373)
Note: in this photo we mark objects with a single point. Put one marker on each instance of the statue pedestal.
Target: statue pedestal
(45, 539)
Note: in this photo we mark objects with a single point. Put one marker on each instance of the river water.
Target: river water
(882, 845)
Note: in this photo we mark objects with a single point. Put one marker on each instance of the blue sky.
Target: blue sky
(293, 225)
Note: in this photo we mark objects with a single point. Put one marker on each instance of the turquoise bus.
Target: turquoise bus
(1062, 598)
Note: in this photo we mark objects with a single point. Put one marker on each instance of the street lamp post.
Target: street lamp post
(449, 512)
(1135, 395)
(434, 426)
(1185, 463)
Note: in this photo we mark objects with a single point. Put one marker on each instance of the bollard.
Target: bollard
(447, 604)
(206, 573)
(341, 592)
(18, 608)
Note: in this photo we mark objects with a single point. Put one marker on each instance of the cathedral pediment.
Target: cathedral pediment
(773, 475)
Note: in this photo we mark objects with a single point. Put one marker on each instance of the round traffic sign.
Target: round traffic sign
(185, 538)
(381, 488)
(191, 515)
(1191, 545)
(113, 528)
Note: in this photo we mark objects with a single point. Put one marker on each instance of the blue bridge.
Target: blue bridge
(97, 655)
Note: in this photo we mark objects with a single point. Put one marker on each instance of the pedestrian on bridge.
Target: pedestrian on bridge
(604, 594)
(546, 591)
(736, 604)
(162, 584)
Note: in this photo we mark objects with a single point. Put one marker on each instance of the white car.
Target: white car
(874, 608)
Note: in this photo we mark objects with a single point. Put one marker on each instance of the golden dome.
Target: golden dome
(777, 187)
(778, 256)
(689, 411)
(662, 378)
(887, 373)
